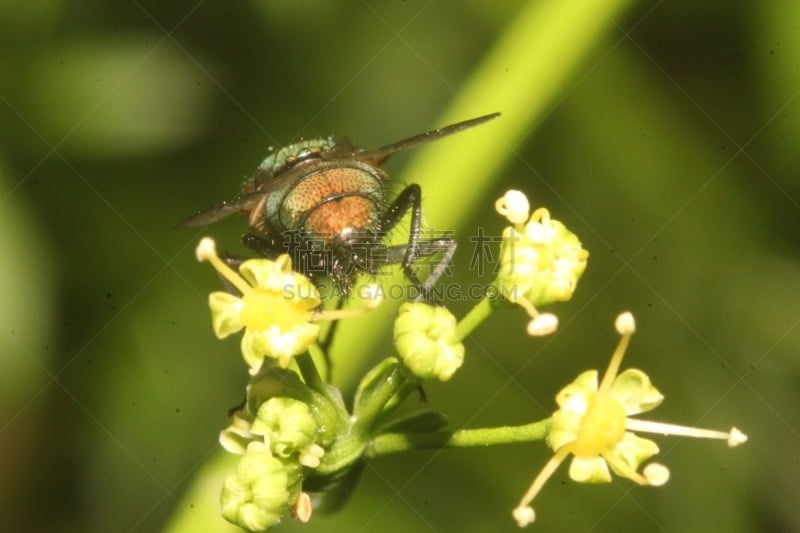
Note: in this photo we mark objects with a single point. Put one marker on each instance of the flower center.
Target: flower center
(263, 308)
(601, 428)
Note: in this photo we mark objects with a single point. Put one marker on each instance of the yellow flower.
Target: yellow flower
(592, 424)
(277, 307)
(541, 261)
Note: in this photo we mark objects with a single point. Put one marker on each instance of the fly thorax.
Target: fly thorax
(286, 157)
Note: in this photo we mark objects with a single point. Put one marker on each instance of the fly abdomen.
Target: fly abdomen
(334, 198)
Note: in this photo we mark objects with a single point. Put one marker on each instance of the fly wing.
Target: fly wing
(243, 203)
(379, 155)
(262, 183)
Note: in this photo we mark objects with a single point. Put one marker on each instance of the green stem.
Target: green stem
(394, 383)
(464, 438)
(473, 319)
(305, 362)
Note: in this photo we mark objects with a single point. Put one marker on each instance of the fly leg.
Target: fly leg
(262, 245)
(410, 199)
(445, 245)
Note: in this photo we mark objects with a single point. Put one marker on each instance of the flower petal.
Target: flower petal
(236, 436)
(630, 453)
(574, 400)
(225, 313)
(254, 345)
(262, 273)
(564, 427)
(633, 389)
(581, 389)
(593, 470)
(277, 276)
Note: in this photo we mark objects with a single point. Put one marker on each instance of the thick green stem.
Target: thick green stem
(474, 318)
(389, 387)
(308, 370)
(463, 438)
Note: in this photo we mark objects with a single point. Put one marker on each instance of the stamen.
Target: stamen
(338, 314)
(524, 516)
(371, 295)
(206, 251)
(310, 455)
(616, 358)
(656, 474)
(543, 324)
(514, 206)
(542, 214)
(528, 306)
(302, 508)
(625, 324)
(539, 230)
(523, 510)
(734, 437)
(205, 248)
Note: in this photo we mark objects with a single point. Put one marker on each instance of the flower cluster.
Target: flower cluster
(295, 433)
(282, 431)
(275, 445)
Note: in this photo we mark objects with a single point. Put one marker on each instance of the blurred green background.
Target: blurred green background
(665, 134)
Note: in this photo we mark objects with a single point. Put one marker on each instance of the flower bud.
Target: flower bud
(426, 340)
(260, 491)
(286, 425)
